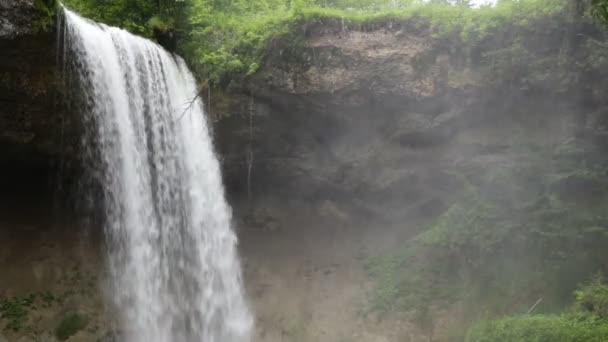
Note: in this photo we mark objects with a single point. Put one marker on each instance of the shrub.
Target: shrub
(541, 328)
(70, 325)
(588, 323)
(593, 298)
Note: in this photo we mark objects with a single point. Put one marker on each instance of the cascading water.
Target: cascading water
(175, 275)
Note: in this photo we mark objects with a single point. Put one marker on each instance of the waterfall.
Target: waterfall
(173, 264)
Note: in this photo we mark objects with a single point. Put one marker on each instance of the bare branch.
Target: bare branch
(189, 107)
(535, 305)
(194, 99)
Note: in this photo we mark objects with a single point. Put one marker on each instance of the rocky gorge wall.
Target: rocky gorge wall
(37, 133)
(388, 117)
(342, 146)
(31, 116)
(353, 111)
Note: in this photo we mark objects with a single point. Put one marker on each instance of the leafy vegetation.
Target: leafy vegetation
(588, 323)
(599, 8)
(47, 10)
(21, 315)
(539, 328)
(543, 219)
(70, 325)
(226, 41)
(137, 16)
(593, 298)
(15, 311)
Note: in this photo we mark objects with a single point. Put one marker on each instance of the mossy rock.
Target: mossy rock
(47, 9)
(71, 324)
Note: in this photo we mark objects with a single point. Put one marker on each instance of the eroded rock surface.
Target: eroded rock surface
(390, 120)
(18, 18)
(33, 119)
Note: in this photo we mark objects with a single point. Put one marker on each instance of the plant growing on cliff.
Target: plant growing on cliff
(70, 325)
(226, 41)
(593, 298)
(47, 10)
(599, 8)
(520, 219)
(587, 323)
(15, 311)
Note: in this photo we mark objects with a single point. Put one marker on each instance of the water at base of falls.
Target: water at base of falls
(175, 275)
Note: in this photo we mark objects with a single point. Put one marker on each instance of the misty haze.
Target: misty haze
(304, 171)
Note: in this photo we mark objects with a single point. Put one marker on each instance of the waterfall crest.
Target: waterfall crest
(174, 270)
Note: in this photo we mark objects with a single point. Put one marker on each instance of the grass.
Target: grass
(15, 311)
(70, 325)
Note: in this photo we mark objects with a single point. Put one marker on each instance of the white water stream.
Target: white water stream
(175, 274)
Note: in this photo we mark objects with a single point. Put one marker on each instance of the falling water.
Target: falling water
(175, 275)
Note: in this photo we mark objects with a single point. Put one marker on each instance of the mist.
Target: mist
(318, 171)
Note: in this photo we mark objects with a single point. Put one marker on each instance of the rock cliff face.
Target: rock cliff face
(35, 130)
(19, 18)
(31, 110)
(388, 118)
(39, 136)
(381, 116)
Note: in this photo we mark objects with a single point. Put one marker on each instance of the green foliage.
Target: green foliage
(226, 41)
(599, 8)
(70, 325)
(47, 10)
(137, 16)
(404, 283)
(588, 323)
(541, 328)
(385, 270)
(163, 24)
(593, 298)
(520, 232)
(15, 311)
(466, 225)
(224, 32)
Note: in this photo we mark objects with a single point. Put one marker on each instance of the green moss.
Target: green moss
(15, 311)
(70, 325)
(47, 10)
